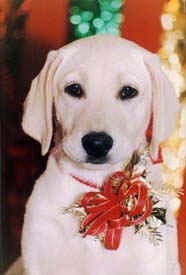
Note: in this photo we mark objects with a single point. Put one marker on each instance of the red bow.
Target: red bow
(123, 202)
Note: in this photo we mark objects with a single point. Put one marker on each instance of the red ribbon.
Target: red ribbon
(123, 202)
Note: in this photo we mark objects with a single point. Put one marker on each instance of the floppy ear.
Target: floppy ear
(164, 104)
(37, 116)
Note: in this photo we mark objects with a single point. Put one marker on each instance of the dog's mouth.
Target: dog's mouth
(100, 160)
(89, 159)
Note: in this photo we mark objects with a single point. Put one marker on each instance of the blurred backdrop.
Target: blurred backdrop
(28, 30)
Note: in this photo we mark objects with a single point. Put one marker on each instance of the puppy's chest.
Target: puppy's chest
(133, 247)
(92, 254)
(70, 214)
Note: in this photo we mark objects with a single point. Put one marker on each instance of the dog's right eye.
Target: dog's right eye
(74, 90)
(127, 92)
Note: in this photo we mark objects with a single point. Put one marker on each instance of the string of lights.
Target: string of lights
(173, 57)
(93, 17)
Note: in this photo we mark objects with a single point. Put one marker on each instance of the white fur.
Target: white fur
(51, 244)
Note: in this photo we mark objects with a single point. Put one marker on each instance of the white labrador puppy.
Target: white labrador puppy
(104, 90)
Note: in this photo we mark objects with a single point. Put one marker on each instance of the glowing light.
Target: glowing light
(174, 60)
(116, 4)
(106, 15)
(112, 29)
(75, 19)
(102, 30)
(83, 28)
(98, 23)
(87, 16)
(173, 6)
(167, 21)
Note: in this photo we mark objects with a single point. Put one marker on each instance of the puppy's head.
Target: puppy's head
(105, 90)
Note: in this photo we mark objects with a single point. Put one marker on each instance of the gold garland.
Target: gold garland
(173, 57)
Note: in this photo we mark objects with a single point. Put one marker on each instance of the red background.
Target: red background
(47, 28)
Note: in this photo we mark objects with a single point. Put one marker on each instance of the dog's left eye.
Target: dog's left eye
(127, 92)
(74, 90)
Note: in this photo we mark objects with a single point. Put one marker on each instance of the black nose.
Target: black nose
(97, 144)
